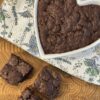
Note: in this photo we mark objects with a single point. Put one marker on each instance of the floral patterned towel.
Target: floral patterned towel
(17, 26)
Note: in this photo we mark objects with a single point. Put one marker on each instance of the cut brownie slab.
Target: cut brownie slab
(48, 83)
(15, 70)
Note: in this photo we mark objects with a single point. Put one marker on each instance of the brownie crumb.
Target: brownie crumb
(64, 26)
(29, 94)
(16, 70)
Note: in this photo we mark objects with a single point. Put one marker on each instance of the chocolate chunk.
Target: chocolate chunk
(24, 68)
(15, 70)
(14, 60)
(69, 26)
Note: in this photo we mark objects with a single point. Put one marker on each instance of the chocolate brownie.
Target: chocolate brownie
(30, 94)
(46, 86)
(48, 83)
(65, 26)
(15, 70)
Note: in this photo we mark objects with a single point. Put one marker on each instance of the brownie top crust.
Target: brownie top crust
(64, 26)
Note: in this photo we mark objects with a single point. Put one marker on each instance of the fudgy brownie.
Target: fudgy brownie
(46, 86)
(65, 26)
(15, 70)
(48, 83)
(30, 94)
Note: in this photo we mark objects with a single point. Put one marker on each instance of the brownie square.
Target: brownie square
(16, 70)
(30, 94)
(48, 83)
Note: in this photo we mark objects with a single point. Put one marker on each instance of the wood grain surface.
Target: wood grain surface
(71, 87)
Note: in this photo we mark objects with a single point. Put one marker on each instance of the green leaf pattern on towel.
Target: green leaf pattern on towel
(2, 17)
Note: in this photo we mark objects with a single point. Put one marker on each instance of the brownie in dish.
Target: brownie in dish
(48, 83)
(64, 26)
(16, 70)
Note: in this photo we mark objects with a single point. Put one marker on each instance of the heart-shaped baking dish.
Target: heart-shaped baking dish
(41, 50)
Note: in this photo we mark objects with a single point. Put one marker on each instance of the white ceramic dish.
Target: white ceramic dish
(41, 51)
(88, 2)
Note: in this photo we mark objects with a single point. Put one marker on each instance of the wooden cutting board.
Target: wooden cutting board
(71, 87)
